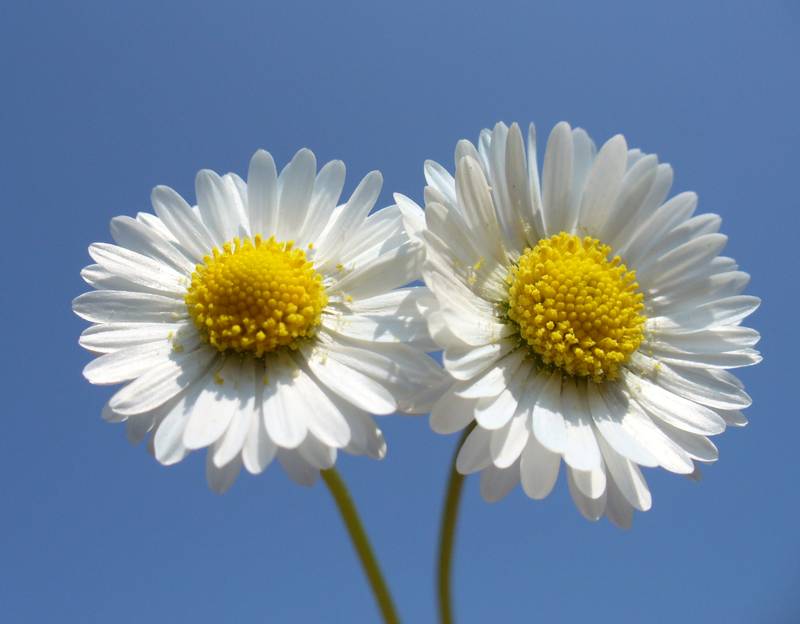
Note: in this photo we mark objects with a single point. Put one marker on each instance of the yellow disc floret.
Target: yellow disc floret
(577, 309)
(255, 296)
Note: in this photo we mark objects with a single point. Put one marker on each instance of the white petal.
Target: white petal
(451, 413)
(465, 149)
(394, 268)
(697, 447)
(679, 235)
(590, 508)
(411, 329)
(451, 248)
(259, 449)
(583, 155)
(468, 361)
(439, 178)
(238, 221)
(353, 386)
(721, 312)
(733, 418)
(411, 377)
(221, 479)
(732, 359)
(295, 188)
(115, 306)
(381, 232)
(319, 455)
(509, 441)
(618, 510)
(499, 166)
(111, 337)
(658, 193)
(638, 236)
(591, 484)
(722, 339)
(262, 194)
(403, 302)
(179, 217)
(496, 482)
(636, 184)
(217, 207)
(538, 469)
(298, 469)
(100, 278)
(548, 422)
(475, 199)
(168, 446)
(138, 237)
(474, 454)
(327, 190)
(627, 477)
(693, 384)
(366, 438)
(467, 317)
(672, 408)
(638, 423)
(139, 269)
(557, 179)
(673, 264)
(126, 364)
(413, 216)
(162, 382)
(138, 426)
(214, 408)
(110, 416)
(323, 417)
(518, 188)
(613, 429)
(580, 450)
(496, 379)
(704, 288)
(283, 407)
(494, 412)
(232, 442)
(603, 185)
(534, 186)
(156, 225)
(352, 215)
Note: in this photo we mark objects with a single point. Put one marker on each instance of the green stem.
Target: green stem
(447, 534)
(361, 543)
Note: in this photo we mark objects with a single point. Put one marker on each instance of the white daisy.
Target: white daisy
(264, 322)
(583, 318)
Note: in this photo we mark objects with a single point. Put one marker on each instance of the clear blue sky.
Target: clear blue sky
(100, 102)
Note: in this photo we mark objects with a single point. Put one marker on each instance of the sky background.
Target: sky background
(101, 101)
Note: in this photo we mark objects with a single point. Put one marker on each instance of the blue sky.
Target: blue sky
(102, 101)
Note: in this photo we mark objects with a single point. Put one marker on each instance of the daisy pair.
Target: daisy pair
(582, 316)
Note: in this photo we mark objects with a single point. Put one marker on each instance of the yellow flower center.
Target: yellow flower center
(255, 296)
(576, 309)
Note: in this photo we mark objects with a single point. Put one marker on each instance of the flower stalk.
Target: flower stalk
(358, 537)
(447, 535)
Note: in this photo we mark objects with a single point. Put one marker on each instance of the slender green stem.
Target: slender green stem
(361, 543)
(447, 534)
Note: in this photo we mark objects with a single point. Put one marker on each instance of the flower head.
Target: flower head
(583, 317)
(264, 322)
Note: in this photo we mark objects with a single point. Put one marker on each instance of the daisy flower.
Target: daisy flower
(264, 322)
(583, 317)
